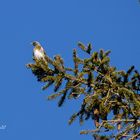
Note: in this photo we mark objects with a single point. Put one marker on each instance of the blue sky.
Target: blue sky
(58, 26)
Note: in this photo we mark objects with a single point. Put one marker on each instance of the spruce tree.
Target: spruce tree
(110, 96)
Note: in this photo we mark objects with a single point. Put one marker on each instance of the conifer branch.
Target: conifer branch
(104, 90)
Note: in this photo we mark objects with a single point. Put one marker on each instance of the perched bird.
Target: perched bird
(38, 52)
(39, 55)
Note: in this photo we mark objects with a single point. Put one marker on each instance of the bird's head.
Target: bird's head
(35, 43)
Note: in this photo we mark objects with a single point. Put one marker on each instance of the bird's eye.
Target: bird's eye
(34, 43)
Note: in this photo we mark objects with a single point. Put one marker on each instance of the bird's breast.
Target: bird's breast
(38, 54)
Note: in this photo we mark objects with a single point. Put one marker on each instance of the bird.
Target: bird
(38, 51)
(39, 55)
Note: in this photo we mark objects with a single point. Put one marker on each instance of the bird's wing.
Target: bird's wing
(42, 51)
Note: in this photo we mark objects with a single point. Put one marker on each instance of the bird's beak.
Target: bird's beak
(31, 43)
